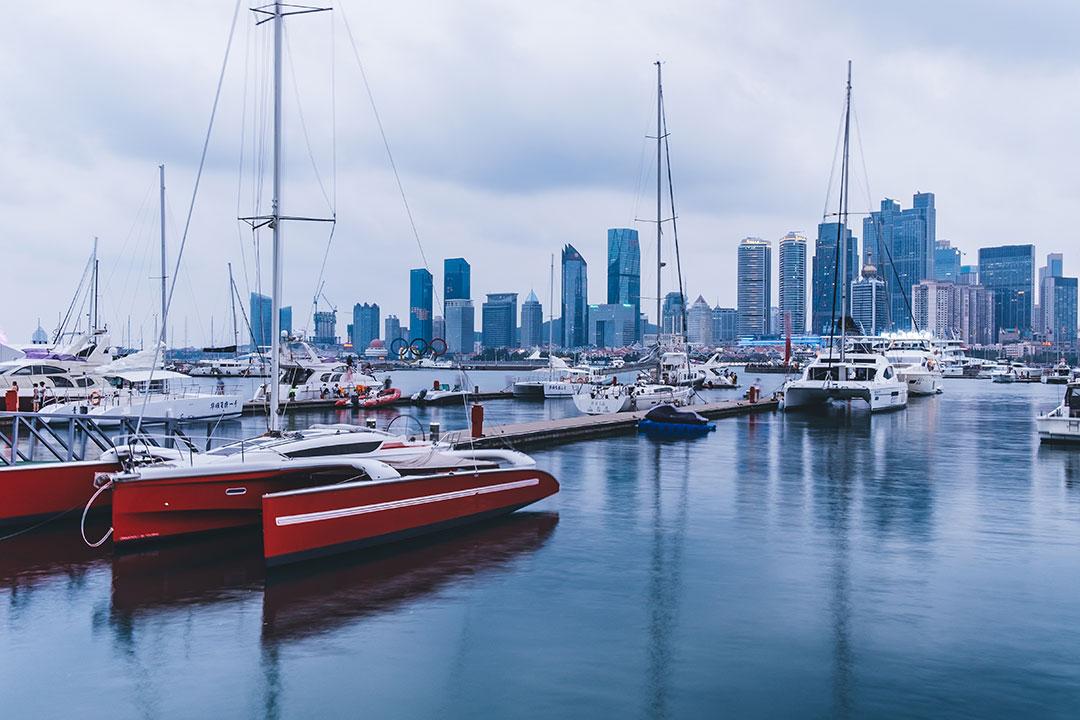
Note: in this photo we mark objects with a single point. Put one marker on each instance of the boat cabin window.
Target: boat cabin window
(61, 381)
(82, 382)
(359, 448)
(24, 370)
(820, 373)
(888, 373)
(51, 370)
(87, 351)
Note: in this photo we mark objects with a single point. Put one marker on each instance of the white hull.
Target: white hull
(1057, 426)
(185, 408)
(627, 398)
(801, 394)
(529, 389)
(920, 381)
(561, 389)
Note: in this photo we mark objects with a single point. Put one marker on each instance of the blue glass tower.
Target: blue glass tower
(824, 273)
(365, 326)
(754, 286)
(457, 281)
(261, 324)
(624, 270)
(420, 301)
(1009, 270)
(499, 317)
(901, 244)
(575, 293)
(946, 263)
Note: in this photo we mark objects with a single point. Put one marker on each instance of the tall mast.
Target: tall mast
(232, 300)
(551, 317)
(844, 182)
(161, 193)
(94, 301)
(659, 219)
(275, 224)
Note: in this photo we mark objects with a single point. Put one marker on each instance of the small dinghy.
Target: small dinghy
(670, 420)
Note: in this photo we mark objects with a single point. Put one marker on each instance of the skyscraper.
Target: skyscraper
(499, 316)
(1052, 269)
(325, 328)
(870, 301)
(612, 325)
(532, 321)
(460, 326)
(673, 313)
(420, 304)
(725, 324)
(699, 323)
(824, 272)
(261, 327)
(793, 281)
(624, 269)
(754, 286)
(1059, 311)
(391, 330)
(365, 326)
(1009, 271)
(285, 319)
(575, 294)
(946, 262)
(969, 275)
(902, 245)
(457, 282)
(936, 307)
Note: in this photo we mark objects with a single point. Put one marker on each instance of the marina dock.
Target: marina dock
(585, 427)
(253, 407)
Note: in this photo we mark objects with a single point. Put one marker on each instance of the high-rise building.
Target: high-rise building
(457, 283)
(1059, 311)
(825, 296)
(624, 269)
(499, 316)
(575, 302)
(438, 327)
(391, 330)
(725, 324)
(532, 321)
(1052, 269)
(1009, 271)
(325, 328)
(793, 282)
(261, 327)
(754, 286)
(699, 323)
(285, 319)
(936, 308)
(946, 262)
(460, 323)
(976, 326)
(365, 326)
(870, 301)
(612, 325)
(902, 245)
(420, 304)
(969, 275)
(673, 314)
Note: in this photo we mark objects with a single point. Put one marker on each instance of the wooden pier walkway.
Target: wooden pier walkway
(584, 427)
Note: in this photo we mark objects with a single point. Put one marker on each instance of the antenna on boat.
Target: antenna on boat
(277, 12)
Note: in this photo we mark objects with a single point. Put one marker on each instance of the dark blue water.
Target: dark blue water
(918, 564)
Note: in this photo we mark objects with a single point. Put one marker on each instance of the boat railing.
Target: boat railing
(28, 437)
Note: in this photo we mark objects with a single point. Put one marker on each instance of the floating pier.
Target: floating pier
(584, 427)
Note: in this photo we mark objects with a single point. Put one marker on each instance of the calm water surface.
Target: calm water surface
(918, 564)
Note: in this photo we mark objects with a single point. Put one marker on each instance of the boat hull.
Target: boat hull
(1058, 428)
(341, 518)
(36, 491)
(156, 509)
(878, 399)
(921, 382)
(528, 390)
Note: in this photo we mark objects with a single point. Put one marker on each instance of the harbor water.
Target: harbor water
(918, 564)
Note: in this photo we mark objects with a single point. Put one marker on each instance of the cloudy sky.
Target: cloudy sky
(516, 128)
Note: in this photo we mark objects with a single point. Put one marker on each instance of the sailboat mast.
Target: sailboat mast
(551, 317)
(232, 301)
(659, 101)
(94, 301)
(844, 182)
(275, 225)
(161, 194)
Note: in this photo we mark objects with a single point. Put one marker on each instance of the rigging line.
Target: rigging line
(386, 145)
(674, 225)
(74, 299)
(333, 116)
(191, 207)
(240, 164)
(303, 123)
(640, 180)
(128, 285)
(832, 167)
(130, 232)
(877, 225)
(840, 228)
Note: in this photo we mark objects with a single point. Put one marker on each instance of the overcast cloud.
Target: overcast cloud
(516, 127)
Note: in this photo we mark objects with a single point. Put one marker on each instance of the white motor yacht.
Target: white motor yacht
(68, 373)
(605, 399)
(1060, 374)
(915, 362)
(717, 374)
(572, 382)
(853, 375)
(249, 365)
(1062, 424)
(304, 375)
(675, 369)
(532, 386)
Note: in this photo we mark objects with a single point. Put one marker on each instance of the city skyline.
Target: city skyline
(468, 191)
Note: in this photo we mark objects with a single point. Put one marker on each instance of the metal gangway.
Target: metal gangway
(27, 437)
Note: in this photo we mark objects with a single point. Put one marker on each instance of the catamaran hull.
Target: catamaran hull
(156, 509)
(37, 491)
(333, 519)
(801, 397)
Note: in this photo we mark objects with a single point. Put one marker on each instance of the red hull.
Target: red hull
(168, 507)
(29, 492)
(383, 398)
(334, 519)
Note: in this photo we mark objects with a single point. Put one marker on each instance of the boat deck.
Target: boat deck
(584, 427)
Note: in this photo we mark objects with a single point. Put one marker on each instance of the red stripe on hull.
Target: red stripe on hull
(33, 491)
(163, 508)
(338, 519)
